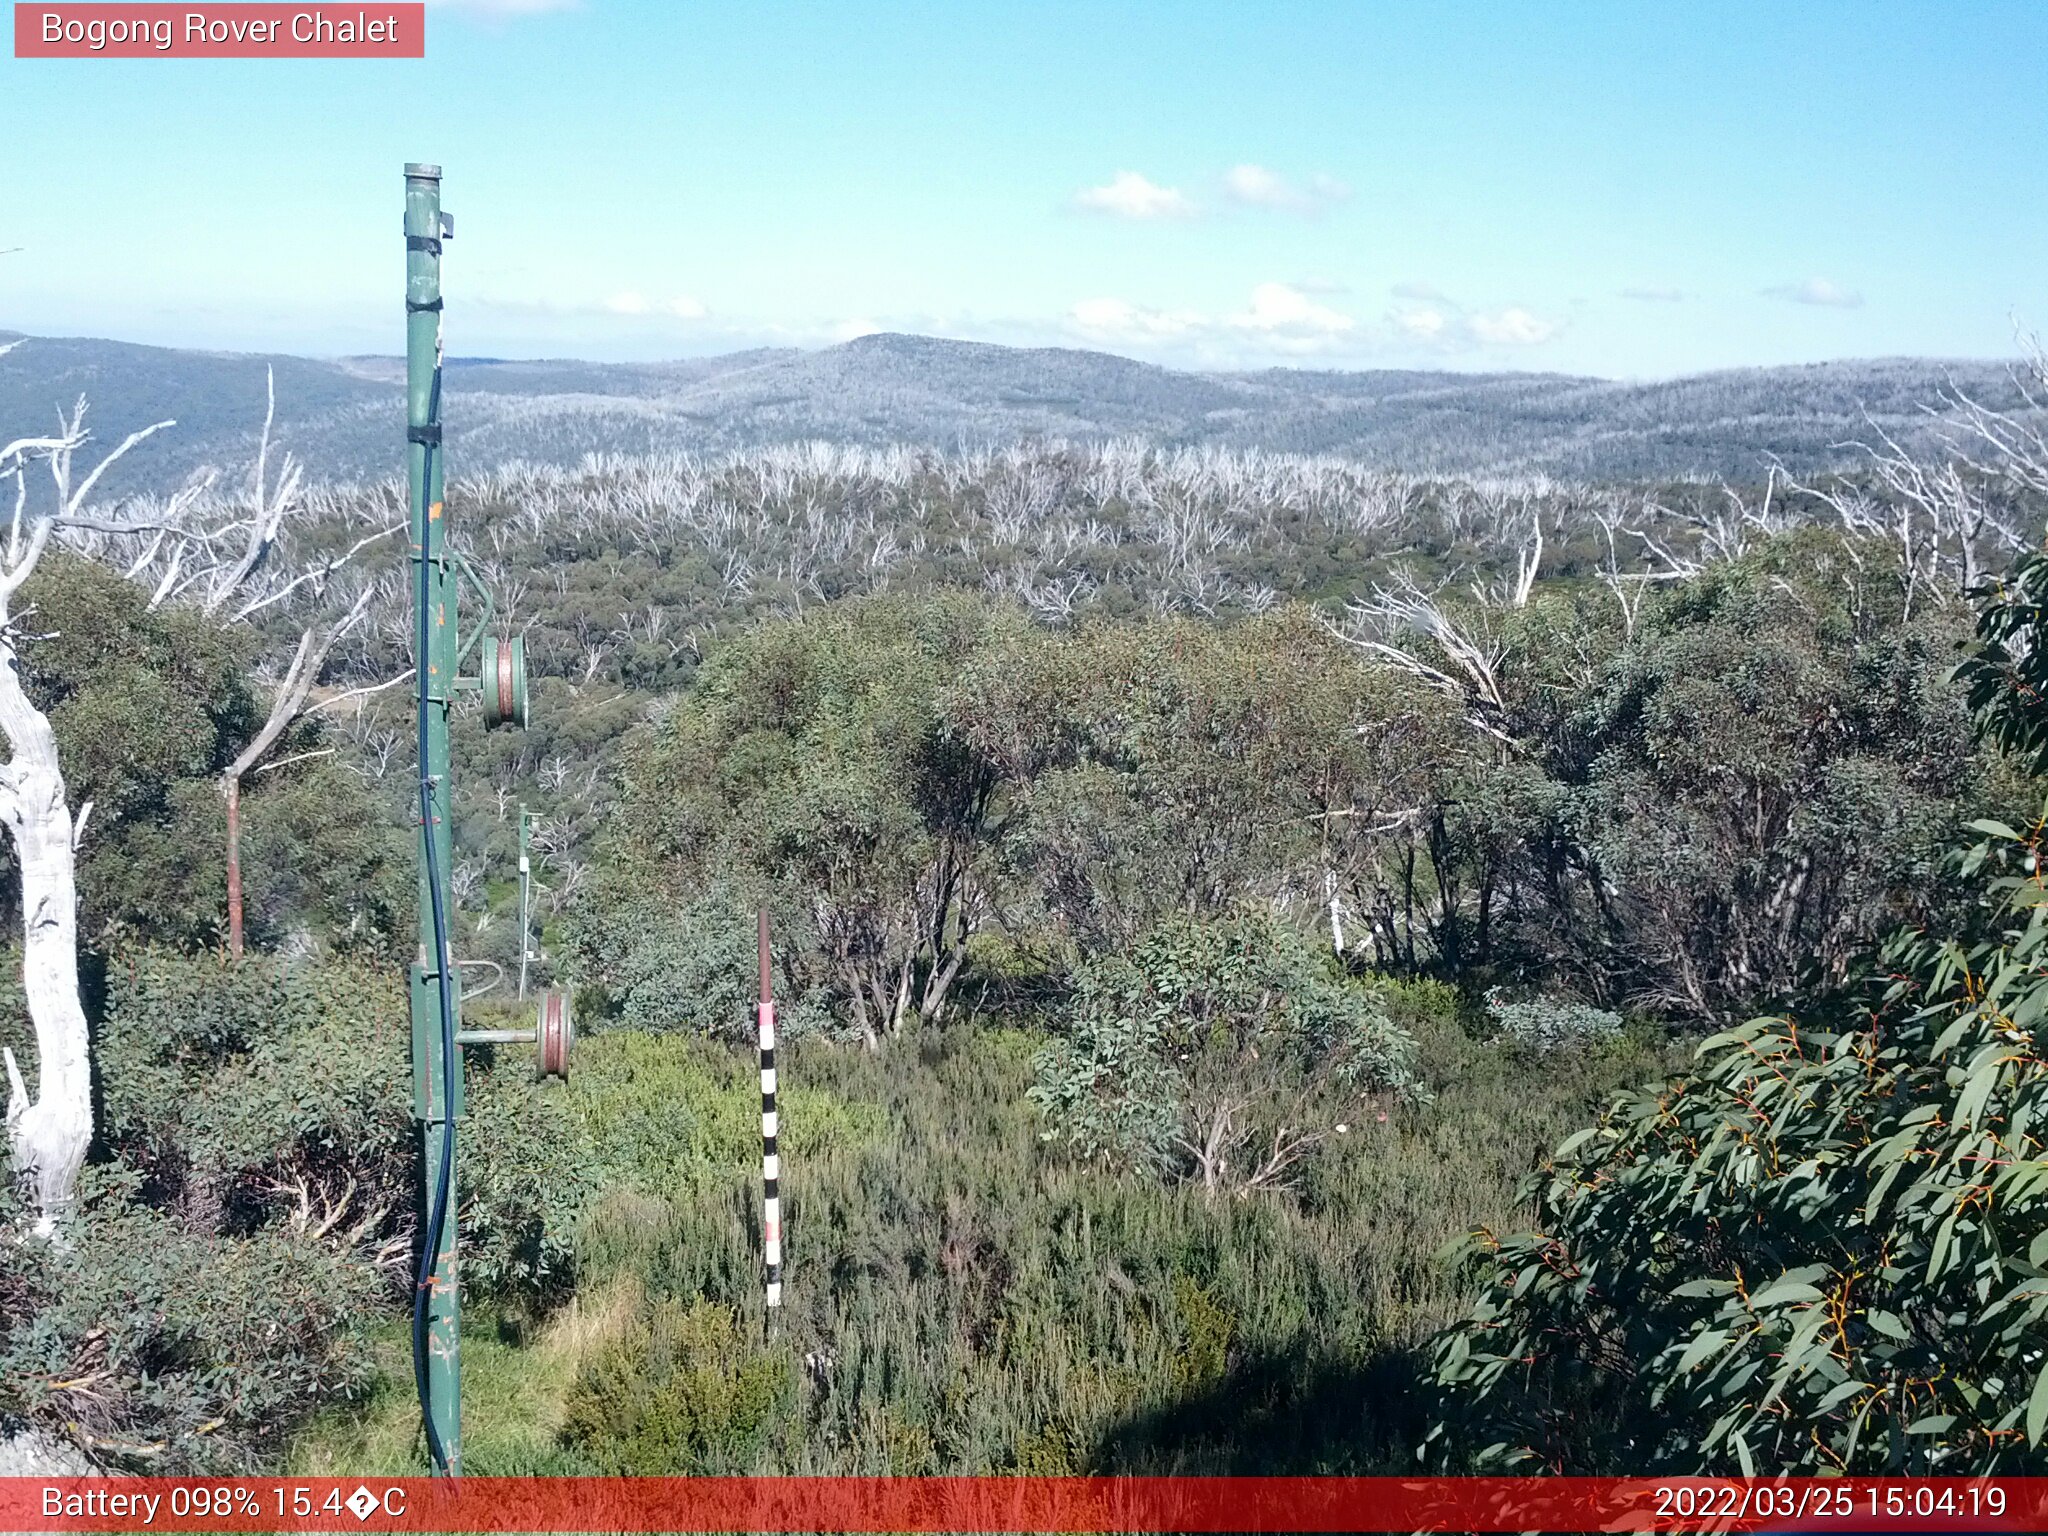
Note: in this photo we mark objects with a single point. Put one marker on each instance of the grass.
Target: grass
(515, 1384)
(662, 1117)
(961, 1298)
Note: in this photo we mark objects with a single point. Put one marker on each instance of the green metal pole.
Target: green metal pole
(433, 580)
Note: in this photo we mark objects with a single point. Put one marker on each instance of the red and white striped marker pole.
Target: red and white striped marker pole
(771, 1164)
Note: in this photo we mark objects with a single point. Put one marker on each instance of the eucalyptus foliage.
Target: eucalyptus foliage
(148, 705)
(230, 1084)
(667, 966)
(2006, 670)
(1824, 1249)
(810, 771)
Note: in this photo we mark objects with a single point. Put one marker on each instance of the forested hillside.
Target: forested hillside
(888, 391)
(1289, 967)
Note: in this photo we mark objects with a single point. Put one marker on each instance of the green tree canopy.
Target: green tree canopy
(811, 770)
(1822, 1249)
(148, 706)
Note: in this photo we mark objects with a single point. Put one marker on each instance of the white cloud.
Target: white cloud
(1127, 195)
(1284, 321)
(1254, 186)
(1511, 327)
(1278, 318)
(1121, 320)
(1817, 290)
(1429, 293)
(1259, 187)
(1130, 195)
(1654, 295)
(1423, 324)
(638, 304)
(1284, 315)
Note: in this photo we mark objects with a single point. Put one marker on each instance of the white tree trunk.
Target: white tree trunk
(48, 1135)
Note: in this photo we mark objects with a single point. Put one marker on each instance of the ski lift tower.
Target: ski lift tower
(439, 576)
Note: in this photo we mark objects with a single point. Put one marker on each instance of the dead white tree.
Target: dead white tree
(1459, 659)
(222, 557)
(1502, 593)
(229, 591)
(48, 1132)
(1629, 584)
(290, 702)
(1940, 516)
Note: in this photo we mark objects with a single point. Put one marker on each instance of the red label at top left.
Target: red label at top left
(220, 31)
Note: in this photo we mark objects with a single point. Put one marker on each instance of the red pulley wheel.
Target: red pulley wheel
(554, 1034)
(508, 707)
(501, 679)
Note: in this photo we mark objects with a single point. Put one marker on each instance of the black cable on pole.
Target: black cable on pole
(437, 1219)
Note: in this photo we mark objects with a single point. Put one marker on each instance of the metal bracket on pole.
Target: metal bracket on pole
(477, 585)
(501, 662)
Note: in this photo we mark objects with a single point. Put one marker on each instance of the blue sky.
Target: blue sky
(1623, 189)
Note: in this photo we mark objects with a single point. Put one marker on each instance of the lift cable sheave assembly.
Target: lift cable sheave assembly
(440, 575)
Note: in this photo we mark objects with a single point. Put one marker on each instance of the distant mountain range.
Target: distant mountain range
(344, 416)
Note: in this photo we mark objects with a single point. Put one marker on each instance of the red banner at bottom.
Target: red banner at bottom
(919, 1504)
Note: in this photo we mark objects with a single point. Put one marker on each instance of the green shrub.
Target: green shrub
(149, 704)
(1542, 1024)
(680, 1393)
(241, 1089)
(1821, 1251)
(1224, 1051)
(691, 968)
(1206, 1329)
(958, 1300)
(166, 1350)
(528, 1175)
(810, 769)
(669, 1115)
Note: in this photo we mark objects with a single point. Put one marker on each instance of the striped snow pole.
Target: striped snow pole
(771, 1164)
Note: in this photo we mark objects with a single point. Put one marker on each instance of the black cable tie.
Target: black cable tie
(423, 243)
(428, 436)
(413, 309)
